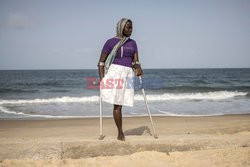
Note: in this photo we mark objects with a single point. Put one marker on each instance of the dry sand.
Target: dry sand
(183, 141)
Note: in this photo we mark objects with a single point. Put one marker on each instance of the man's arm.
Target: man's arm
(101, 62)
(136, 66)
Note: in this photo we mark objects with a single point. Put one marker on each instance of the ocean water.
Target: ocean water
(39, 94)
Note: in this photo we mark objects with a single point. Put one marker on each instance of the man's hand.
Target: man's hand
(138, 70)
(101, 72)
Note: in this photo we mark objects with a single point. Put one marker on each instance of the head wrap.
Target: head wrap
(120, 27)
(119, 33)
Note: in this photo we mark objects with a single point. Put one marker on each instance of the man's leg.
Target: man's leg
(117, 113)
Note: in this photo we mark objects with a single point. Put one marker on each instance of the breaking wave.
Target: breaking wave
(217, 95)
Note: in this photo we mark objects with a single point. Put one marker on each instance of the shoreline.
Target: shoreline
(109, 116)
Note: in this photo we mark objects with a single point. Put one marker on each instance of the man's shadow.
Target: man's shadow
(142, 130)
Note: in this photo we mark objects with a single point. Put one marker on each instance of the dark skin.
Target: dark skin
(117, 112)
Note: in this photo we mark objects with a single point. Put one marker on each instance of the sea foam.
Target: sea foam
(217, 95)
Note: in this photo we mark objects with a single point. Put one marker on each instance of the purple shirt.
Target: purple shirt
(124, 54)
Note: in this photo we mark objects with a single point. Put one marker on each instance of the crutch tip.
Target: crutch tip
(101, 137)
(155, 136)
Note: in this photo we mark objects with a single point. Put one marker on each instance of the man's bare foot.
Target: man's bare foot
(121, 137)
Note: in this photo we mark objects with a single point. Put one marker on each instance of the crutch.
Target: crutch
(101, 137)
(149, 114)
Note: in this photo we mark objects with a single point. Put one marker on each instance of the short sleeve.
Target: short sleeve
(106, 48)
(135, 47)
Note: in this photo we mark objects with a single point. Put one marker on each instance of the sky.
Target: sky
(63, 34)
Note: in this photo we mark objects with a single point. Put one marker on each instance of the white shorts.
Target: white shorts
(117, 86)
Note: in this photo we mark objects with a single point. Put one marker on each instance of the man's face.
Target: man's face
(127, 31)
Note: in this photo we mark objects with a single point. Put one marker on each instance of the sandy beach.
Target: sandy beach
(183, 141)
